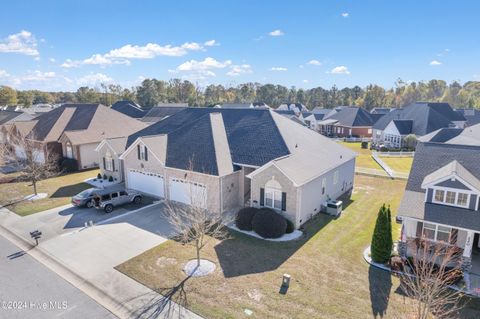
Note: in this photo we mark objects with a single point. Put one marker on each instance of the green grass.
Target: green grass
(364, 158)
(330, 279)
(60, 189)
(399, 164)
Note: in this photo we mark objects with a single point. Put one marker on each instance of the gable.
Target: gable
(456, 184)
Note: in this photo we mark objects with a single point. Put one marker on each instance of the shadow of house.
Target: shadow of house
(70, 190)
(380, 284)
(241, 254)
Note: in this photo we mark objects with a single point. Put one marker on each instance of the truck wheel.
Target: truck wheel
(108, 208)
(137, 200)
(90, 204)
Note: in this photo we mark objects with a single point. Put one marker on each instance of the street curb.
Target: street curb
(108, 302)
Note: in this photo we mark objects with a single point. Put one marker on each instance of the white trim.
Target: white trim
(452, 190)
(134, 146)
(456, 177)
(405, 218)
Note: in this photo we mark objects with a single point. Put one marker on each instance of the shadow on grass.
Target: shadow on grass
(380, 284)
(167, 304)
(70, 190)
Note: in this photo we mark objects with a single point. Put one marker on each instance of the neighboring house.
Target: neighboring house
(471, 115)
(293, 115)
(296, 107)
(236, 157)
(317, 115)
(254, 105)
(160, 112)
(129, 108)
(74, 131)
(467, 136)
(7, 118)
(441, 200)
(347, 122)
(419, 118)
(381, 110)
(110, 163)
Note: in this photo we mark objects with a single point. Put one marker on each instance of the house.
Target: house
(467, 136)
(254, 105)
(381, 110)
(441, 200)
(129, 108)
(317, 115)
(293, 115)
(347, 122)
(74, 131)
(162, 111)
(297, 107)
(419, 118)
(7, 118)
(471, 115)
(235, 157)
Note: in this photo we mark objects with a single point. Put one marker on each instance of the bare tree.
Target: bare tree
(194, 224)
(29, 158)
(427, 277)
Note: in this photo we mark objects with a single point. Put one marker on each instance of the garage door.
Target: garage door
(146, 182)
(188, 192)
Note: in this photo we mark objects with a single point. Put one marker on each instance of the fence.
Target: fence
(383, 165)
(352, 139)
(396, 154)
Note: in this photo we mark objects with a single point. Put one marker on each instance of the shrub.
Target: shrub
(105, 176)
(110, 179)
(365, 145)
(269, 224)
(99, 176)
(244, 217)
(290, 226)
(381, 247)
(68, 165)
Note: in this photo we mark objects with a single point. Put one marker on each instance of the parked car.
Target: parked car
(85, 198)
(107, 199)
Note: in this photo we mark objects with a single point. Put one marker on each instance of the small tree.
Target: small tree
(29, 158)
(410, 141)
(381, 247)
(194, 224)
(427, 276)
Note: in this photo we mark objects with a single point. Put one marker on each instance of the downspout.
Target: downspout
(221, 195)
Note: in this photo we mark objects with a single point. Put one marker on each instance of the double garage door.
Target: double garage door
(145, 182)
(182, 191)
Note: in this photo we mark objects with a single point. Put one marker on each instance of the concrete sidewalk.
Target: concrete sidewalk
(86, 258)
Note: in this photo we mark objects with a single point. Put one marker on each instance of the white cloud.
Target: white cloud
(94, 79)
(345, 14)
(4, 74)
(339, 70)
(314, 62)
(52, 60)
(211, 43)
(236, 70)
(37, 76)
(278, 68)
(276, 33)
(305, 81)
(149, 51)
(208, 63)
(23, 43)
(435, 62)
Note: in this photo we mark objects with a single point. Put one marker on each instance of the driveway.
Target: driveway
(64, 219)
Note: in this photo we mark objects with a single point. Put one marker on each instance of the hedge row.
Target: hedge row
(264, 221)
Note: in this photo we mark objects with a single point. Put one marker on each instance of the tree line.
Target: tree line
(152, 92)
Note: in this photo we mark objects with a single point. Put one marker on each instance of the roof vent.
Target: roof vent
(296, 145)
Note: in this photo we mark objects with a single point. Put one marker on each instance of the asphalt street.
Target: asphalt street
(30, 290)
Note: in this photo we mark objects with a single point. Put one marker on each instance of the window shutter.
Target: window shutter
(453, 236)
(138, 151)
(284, 201)
(104, 164)
(113, 165)
(146, 153)
(419, 229)
(262, 196)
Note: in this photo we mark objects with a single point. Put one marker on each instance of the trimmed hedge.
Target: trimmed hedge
(269, 224)
(290, 227)
(244, 217)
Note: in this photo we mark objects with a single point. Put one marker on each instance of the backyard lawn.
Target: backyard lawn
(60, 189)
(399, 164)
(329, 276)
(364, 158)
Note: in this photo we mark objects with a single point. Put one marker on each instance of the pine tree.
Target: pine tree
(381, 247)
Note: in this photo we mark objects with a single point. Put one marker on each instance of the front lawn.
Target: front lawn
(60, 189)
(329, 276)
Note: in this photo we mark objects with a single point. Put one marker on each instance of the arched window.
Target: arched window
(69, 150)
(273, 194)
(108, 162)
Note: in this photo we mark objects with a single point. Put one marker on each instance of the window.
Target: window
(114, 195)
(443, 233)
(369, 131)
(106, 197)
(436, 232)
(450, 199)
(439, 194)
(462, 199)
(142, 152)
(123, 193)
(69, 150)
(273, 194)
(429, 231)
(335, 178)
(108, 162)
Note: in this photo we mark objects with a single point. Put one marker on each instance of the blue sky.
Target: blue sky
(60, 45)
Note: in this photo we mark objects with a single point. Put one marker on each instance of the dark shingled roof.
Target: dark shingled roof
(129, 108)
(252, 135)
(6, 116)
(471, 115)
(430, 157)
(80, 119)
(380, 110)
(445, 134)
(426, 117)
(353, 116)
(404, 127)
(158, 113)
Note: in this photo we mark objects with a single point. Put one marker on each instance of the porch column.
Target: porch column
(467, 252)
